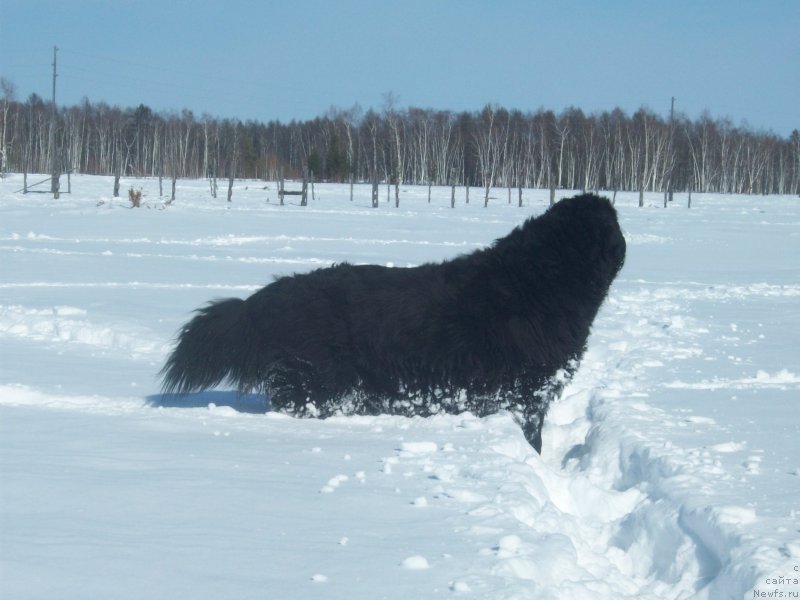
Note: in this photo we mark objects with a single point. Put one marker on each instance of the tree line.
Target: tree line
(494, 146)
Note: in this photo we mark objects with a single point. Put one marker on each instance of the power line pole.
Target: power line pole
(668, 191)
(54, 183)
(671, 144)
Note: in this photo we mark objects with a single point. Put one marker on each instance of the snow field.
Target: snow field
(669, 467)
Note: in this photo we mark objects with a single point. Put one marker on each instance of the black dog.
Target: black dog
(498, 329)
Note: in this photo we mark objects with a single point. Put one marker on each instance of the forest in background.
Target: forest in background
(494, 146)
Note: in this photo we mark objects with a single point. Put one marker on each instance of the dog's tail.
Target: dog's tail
(208, 348)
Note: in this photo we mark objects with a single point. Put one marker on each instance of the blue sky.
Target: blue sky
(270, 60)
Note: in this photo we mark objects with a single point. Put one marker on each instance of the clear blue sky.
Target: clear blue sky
(294, 59)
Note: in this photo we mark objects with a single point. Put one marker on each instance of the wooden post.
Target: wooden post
(509, 194)
(520, 196)
(311, 176)
(641, 196)
(397, 193)
(429, 192)
(304, 190)
(375, 192)
(213, 181)
(351, 187)
(25, 180)
(116, 185)
(467, 193)
(230, 187)
(280, 189)
(453, 196)
(174, 181)
(552, 194)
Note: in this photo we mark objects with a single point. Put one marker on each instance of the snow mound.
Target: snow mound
(69, 324)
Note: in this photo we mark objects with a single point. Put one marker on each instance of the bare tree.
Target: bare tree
(9, 92)
(487, 141)
(396, 127)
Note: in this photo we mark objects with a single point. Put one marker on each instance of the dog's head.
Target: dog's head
(577, 243)
(590, 222)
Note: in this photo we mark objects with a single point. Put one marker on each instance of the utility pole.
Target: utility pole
(668, 191)
(54, 183)
(671, 144)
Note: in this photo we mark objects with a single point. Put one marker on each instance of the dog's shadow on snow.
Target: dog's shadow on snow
(243, 403)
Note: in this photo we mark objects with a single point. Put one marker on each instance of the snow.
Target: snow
(669, 468)
(416, 563)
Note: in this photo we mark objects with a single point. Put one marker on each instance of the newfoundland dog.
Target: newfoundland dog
(501, 328)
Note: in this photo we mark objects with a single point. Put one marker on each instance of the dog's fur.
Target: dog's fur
(498, 329)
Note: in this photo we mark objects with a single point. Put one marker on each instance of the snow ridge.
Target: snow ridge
(69, 324)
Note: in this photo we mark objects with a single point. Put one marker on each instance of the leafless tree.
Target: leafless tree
(9, 92)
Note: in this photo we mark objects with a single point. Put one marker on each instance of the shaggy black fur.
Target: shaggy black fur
(498, 329)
